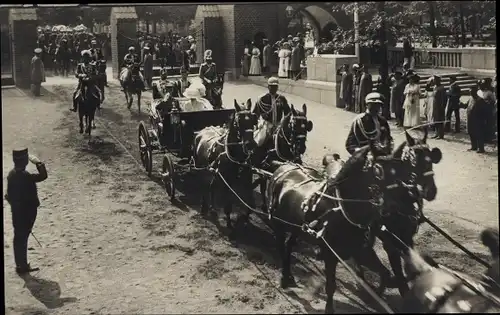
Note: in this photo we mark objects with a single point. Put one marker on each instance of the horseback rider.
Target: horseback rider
(208, 73)
(85, 69)
(95, 51)
(130, 59)
(270, 109)
(370, 126)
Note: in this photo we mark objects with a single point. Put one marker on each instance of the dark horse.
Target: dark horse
(342, 207)
(89, 100)
(437, 289)
(217, 86)
(287, 144)
(406, 214)
(131, 83)
(226, 150)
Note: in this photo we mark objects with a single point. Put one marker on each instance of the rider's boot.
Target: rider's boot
(75, 103)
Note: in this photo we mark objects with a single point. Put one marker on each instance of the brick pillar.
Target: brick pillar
(23, 24)
(123, 35)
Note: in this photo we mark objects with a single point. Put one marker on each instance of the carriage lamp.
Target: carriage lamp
(289, 11)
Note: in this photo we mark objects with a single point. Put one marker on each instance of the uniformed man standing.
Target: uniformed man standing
(208, 73)
(269, 108)
(370, 126)
(37, 72)
(23, 199)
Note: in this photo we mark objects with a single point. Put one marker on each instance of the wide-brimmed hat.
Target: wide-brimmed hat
(131, 48)
(208, 54)
(273, 81)
(195, 91)
(146, 48)
(296, 39)
(86, 52)
(355, 66)
(38, 50)
(20, 156)
(93, 41)
(374, 98)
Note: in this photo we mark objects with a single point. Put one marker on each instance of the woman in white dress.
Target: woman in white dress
(255, 68)
(284, 60)
(412, 103)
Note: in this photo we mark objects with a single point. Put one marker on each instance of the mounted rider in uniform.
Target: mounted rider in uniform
(130, 59)
(270, 109)
(97, 56)
(208, 74)
(370, 126)
(87, 68)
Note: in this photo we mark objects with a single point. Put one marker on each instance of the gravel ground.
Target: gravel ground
(114, 243)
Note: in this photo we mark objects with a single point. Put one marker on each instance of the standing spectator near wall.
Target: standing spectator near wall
(486, 93)
(397, 97)
(411, 104)
(453, 107)
(356, 80)
(255, 66)
(345, 87)
(476, 120)
(147, 63)
(245, 59)
(267, 55)
(284, 60)
(365, 87)
(295, 60)
(408, 54)
(436, 104)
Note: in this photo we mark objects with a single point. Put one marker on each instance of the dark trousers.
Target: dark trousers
(452, 109)
(477, 141)
(439, 127)
(23, 221)
(35, 89)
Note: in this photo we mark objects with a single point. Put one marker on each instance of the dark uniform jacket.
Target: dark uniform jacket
(21, 188)
(263, 107)
(96, 54)
(208, 71)
(356, 139)
(180, 88)
(454, 95)
(131, 58)
(477, 113)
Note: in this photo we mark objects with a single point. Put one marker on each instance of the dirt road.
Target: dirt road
(113, 243)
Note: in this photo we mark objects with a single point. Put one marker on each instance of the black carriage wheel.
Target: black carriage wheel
(145, 148)
(168, 176)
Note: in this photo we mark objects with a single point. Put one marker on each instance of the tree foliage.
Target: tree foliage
(176, 14)
(74, 16)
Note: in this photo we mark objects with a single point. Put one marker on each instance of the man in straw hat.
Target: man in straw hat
(269, 108)
(370, 126)
(37, 73)
(208, 73)
(23, 199)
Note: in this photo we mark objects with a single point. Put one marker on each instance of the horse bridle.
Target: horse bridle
(242, 143)
(292, 141)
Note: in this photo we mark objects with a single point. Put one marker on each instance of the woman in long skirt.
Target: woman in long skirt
(284, 60)
(255, 68)
(245, 60)
(412, 103)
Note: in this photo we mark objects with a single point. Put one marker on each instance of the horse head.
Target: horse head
(368, 178)
(293, 130)
(134, 69)
(242, 125)
(419, 158)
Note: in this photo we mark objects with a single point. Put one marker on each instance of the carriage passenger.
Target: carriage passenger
(370, 126)
(183, 83)
(270, 109)
(196, 94)
(85, 69)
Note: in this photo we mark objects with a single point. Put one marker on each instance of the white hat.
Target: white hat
(355, 66)
(195, 91)
(272, 81)
(131, 48)
(93, 41)
(208, 54)
(86, 52)
(38, 50)
(374, 98)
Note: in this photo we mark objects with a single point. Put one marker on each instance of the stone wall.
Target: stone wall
(22, 24)
(123, 35)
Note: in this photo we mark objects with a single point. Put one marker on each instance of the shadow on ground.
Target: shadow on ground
(47, 292)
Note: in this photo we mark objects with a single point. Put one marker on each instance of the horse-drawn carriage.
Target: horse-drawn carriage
(173, 128)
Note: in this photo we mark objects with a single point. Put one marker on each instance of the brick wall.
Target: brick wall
(214, 40)
(123, 35)
(22, 24)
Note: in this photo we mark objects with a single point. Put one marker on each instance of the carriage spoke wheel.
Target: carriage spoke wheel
(145, 149)
(168, 176)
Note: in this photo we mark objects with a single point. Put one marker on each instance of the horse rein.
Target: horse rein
(281, 133)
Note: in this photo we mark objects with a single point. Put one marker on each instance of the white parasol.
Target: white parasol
(80, 28)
